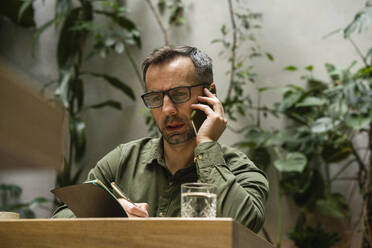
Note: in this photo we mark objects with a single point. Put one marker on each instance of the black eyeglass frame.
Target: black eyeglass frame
(166, 92)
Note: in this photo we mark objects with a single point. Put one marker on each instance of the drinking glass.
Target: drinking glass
(198, 200)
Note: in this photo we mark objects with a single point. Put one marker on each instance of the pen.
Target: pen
(120, 192)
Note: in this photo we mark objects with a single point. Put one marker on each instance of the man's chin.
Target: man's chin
(176, 139)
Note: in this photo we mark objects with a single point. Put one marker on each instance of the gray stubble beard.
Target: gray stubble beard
(177, 139)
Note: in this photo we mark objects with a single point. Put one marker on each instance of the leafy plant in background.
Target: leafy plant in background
(113, 32)
(9, 201)
(323, 121)
(240, 47)
(19, 12)
(308, 237)
(80, 28)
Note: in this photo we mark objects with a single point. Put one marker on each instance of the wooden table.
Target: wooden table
(123, 232)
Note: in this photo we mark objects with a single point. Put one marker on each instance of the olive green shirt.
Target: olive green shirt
(138, 167)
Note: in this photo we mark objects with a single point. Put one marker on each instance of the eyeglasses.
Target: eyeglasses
(177, 95)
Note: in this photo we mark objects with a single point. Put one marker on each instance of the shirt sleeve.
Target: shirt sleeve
(104, 171)
(242, 188)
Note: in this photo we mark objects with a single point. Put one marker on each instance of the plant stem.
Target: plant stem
(328, 178)
(367, 199)
(362, 167)
(342, 170)
(277, 152)
(233, 49)
(258, 111)
(158, 20)
(280, 216)
(133, 63)
(358, 51)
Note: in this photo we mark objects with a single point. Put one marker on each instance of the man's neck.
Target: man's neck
(179, 156)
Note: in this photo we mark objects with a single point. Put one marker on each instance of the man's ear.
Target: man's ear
(214, 90)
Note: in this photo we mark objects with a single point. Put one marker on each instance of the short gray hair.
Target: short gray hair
(202, 62)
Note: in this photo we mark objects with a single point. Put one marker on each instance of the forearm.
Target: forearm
(241, 187)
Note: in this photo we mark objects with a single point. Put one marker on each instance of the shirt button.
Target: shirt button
(198, 157)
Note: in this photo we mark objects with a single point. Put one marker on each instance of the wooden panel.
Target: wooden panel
(116, 232)
(246, 238)
(32, 130)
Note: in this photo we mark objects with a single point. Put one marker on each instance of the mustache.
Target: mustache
(172, 118)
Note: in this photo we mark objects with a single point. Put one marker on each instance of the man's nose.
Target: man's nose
(168, 106)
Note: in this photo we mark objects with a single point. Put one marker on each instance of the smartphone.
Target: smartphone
(198, 116)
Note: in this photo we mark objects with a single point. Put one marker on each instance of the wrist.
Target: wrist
(203, 140)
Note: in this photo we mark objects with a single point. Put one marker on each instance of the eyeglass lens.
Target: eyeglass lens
(178, 95)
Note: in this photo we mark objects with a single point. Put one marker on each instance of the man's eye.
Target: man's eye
(155, 98)
(179, 94)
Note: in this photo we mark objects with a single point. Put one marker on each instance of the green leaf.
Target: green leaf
(337, 150)
(306, 187)
(358, 122)
(333, 205)
(322, 125)
(361, 20)
(223, 29)
(262, 89)
(311, 101)
(275, 138)
(269, 56)
(161, 6)
(62, 7)
(260, 157)
(110, 41)
(40, 30)
(109, 103)
(71, 42)
(309, 68)
(290, 68)
(256, 138)
(115, 82)
(19, 12)
(77, 130)
(26, 4)
(8, 191)
(290, 99)
(125, 23)
(119, 47)
(293, 162)
(62, 92)
(316, 85)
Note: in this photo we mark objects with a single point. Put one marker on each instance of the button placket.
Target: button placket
(165, 199)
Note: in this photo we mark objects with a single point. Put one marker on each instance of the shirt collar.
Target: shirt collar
(155, 151)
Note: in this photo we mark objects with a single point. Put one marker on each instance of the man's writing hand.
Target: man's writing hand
(213, 127)
(134, 210)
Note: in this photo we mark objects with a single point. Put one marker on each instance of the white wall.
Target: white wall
(292, 31)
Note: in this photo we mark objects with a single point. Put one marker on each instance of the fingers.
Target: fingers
(213, 101)
(134, 210)
(215, 124)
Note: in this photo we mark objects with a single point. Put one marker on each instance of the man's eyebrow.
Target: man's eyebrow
(181, 84)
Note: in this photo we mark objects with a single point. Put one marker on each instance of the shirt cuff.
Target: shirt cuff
(208, 154)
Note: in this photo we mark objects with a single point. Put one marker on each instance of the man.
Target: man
(151, 170)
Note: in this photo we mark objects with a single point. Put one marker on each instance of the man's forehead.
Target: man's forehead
(177, 72)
